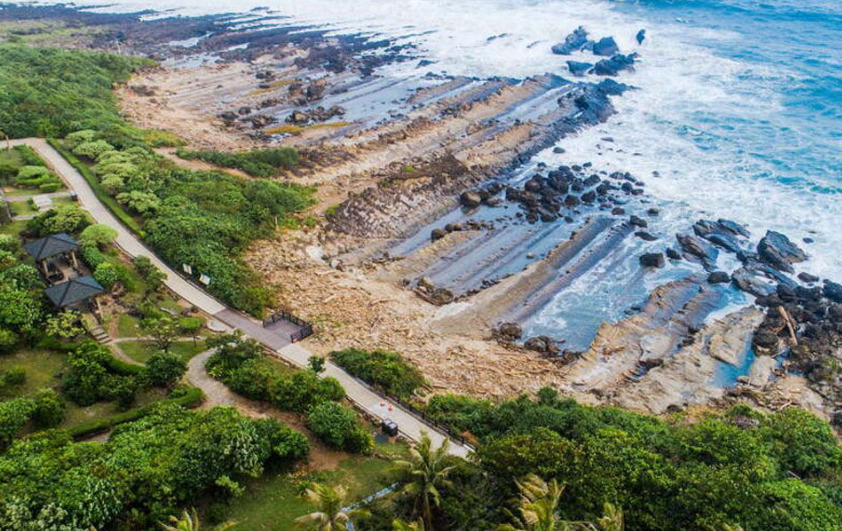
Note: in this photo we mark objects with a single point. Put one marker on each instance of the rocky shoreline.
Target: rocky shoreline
(442, 235)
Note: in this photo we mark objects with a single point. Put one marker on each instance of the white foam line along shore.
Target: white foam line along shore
(361, 395)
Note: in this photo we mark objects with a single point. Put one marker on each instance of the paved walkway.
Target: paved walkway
(276, 339)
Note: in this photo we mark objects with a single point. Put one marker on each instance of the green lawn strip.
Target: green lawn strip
(274, 501)
(140, 351)
(99, 191)
(14, 191)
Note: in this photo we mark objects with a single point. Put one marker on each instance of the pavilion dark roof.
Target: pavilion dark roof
(50, 246)
(74, 290)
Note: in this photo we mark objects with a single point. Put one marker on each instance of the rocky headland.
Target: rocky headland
(439, 232)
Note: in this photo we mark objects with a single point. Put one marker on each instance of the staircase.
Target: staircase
(100, 335)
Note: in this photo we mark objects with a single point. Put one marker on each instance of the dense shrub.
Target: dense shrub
(387, 371)
(64, 218)
(146, 471)
(338, 426)
(240, 365)
(164, 369)
(732, 469)
(14, 415)
(8, 341)
(52, 92)
(107, 274)
(95, 375)
(257, 163)
(49, 409)
(12, 377)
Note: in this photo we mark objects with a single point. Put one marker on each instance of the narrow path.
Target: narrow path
(217, 393)
(366, 399)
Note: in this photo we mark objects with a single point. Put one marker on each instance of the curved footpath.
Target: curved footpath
(365, 399)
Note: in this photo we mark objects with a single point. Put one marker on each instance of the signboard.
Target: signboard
(187, 268)
(204, 279)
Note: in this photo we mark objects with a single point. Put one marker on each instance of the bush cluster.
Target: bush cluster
(257, 163)
(387, 371)
(146, 471)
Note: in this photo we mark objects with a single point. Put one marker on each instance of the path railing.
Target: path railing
(305, 327)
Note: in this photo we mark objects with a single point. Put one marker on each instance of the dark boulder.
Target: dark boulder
(559, 150)
(510, 331)
(638, 222)
(578, 68)
(652, 260)
(695, 247)
(437, 234)
(719, 277)
(672, 254)
(751, 282)
(572, 43)
(615, 65)
(589, 197)
(778, 251)
(612, 88)
(766, 341)
(470, 199)
(618, 211)
(542, 344)
(733, 227)
(808, 278)
(606, 46)
(833, 291)
(645, 236)
(641, 36)
(441, 296)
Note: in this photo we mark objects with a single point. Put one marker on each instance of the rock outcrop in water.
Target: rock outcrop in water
(572, 43)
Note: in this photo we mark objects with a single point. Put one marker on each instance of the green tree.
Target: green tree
(67, 218)
(107, 274)
(316, 364)
(163, 331)
(164, 369)
(99, 235)
(338, 426)
(328, 516)
(424, 474)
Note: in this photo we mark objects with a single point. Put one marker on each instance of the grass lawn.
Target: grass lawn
(13, 228)
(76, 414)
(42, 368)
(274, 501)
(128, 326)
(140, 351)
(22, 208)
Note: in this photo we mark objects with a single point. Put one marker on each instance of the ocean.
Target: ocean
(738, 112)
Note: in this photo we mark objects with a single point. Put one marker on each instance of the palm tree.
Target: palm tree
(425, 472)
(189, 521)
(400, 525)
(538, 506)
(328, 515)
(539, 510)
